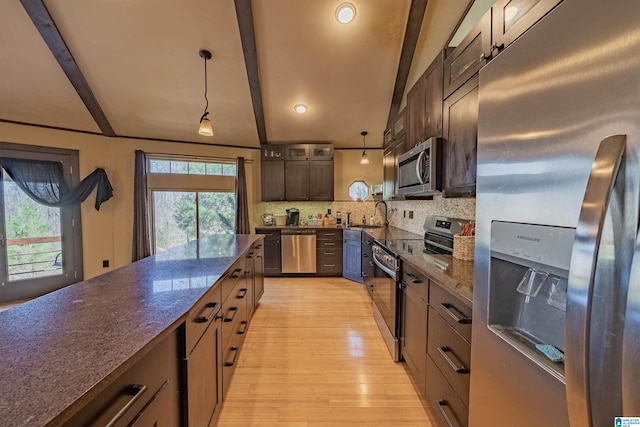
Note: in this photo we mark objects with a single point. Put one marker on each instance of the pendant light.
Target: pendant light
(364, 160)
(205, 124)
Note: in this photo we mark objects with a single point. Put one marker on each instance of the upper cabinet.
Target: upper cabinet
(297, 172)
(424, 105)
(511, 18)
(465, 60)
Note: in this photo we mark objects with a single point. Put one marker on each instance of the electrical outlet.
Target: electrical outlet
(105, 263)
(410, 214)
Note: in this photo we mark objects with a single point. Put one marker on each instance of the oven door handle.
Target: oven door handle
(419, 167)
(383, 267)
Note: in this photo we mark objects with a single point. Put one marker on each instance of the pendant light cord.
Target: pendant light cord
(205, 91)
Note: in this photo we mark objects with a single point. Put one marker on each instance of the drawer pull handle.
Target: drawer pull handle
(135, 391)
(243, 291)
(237, 273)
(371, 264)
(451, 311)
(455, 364)
(414, 278)
(365, 255)
(209, 306)
(445, 409)
(329, 265)
(329, 243)
(243, 325)
(235, 356)
(259, 246)
(329, 234)
(365, 275)
(329, 253)
(233, 311)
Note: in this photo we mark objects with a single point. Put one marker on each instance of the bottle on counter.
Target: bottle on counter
(328, 218)
(338, 218)
(371, 220)
(364, 220)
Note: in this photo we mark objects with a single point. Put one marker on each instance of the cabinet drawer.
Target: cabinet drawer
(451, 353)
(454, 311)
(332, 234)
(445, 404)
(415, 281)
(230, 357)
(232, 278)
(201, 316)
(329, 244)
(132, 391)
(329, 261)
(234, 311)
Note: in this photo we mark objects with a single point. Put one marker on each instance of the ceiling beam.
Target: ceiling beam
(39, 14)
(244, 13)
(414, 24)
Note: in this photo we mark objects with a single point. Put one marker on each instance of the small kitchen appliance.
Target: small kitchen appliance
(293, 216)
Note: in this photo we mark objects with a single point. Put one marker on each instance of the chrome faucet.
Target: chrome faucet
(386, 223)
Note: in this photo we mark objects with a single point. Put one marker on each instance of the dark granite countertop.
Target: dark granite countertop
(454, 274)
(289, 227)
(60, 350)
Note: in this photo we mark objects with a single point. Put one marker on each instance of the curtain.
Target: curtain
(242, 209)
(44, 182)
(141, 231)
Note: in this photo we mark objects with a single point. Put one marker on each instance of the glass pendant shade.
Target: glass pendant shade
(205, 127)
(364, 160)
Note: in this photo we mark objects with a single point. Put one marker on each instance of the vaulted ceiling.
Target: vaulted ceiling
(131, 68)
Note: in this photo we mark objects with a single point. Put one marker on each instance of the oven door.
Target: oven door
(385, 302)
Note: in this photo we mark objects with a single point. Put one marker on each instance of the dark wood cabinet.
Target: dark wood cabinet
(352, 255)
(272, 174)
(367, 262)
(466, 59)
(424, 105)
(511, 18)
(390, 167)
(321, 180)
(258, 272)
(296, 152)
(297, 179)
(320, 152)
(461, 140)
(413, 335)
(272, 257)
(329, 252)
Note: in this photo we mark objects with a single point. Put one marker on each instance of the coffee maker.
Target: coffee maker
(293, 216)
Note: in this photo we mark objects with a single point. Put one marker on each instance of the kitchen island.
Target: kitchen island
(62, 350)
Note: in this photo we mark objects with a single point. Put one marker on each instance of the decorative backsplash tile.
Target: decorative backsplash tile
(455, 208)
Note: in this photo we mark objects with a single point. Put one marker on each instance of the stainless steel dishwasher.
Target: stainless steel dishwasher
(298, 251)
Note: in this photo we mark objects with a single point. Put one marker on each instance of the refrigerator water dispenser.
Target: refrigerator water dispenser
(528, 289)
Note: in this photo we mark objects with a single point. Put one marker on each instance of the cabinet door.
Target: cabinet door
(321, 180)
(204, 382)
(416, 114)
(249, 283)
(399, 128)
(351, 260)
(272, 262)
(511, 18)
(398, 149)
(158, 412)
(413, 340)
(297, 180)
(433, 101)
(296, 152)
(389, 173)
(321, 152)
(461, 140)
(258, 282)
(469, 56)
(272, 180)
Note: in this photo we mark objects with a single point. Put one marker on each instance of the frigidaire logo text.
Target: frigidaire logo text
(529, 238)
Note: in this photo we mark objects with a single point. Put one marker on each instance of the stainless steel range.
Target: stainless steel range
(385, 285)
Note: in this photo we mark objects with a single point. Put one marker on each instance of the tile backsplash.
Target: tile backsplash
(455, 208)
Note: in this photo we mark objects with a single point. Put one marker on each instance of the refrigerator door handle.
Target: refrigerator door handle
(631, 340)
(602, 178)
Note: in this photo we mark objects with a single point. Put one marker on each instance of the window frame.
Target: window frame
(70, 227)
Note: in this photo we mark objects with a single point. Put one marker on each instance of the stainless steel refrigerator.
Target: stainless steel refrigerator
(556, 322)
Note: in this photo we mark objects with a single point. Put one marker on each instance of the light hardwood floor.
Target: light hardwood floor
(314, 357)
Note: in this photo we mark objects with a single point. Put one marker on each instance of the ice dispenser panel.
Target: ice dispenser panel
(528, 289)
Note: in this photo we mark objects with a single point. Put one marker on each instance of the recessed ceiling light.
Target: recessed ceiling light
(345, 13)
(300, 108)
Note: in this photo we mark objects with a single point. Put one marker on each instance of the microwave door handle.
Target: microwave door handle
(580, 283)
(631, 339)
(419, 167)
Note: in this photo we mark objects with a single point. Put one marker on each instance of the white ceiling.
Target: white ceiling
(140, 59)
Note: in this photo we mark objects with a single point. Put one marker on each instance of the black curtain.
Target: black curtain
(44, 182)
(242, 209)
(141, 230)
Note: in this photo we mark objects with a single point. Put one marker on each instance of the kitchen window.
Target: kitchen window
(190, 198)
(40, 246)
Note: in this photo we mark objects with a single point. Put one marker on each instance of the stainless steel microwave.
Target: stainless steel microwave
(419, 169)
